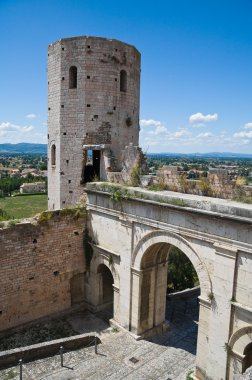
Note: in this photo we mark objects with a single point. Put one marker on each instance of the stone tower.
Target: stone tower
(93, 112)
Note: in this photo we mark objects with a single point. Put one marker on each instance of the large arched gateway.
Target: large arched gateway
(149, 272)
(133, 237)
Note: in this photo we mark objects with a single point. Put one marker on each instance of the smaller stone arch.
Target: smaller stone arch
(158, 237)
(247, 361)
(107, 283)
(240, 339)
(101, 264)
(103, 258)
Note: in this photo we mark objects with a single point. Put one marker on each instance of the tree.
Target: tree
(181, 273)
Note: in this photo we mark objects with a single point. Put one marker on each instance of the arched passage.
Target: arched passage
(247, 361)
(103, 285)
(149, 278)
(107, 281)
(170, 238)
(241, 345)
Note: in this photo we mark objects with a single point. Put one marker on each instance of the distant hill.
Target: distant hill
(202, 155)
(27, 148)
(23, 148)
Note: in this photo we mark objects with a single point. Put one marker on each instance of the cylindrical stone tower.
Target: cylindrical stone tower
(93, 112)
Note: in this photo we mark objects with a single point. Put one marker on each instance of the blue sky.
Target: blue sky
(196, 82)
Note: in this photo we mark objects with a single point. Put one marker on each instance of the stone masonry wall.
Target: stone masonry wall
(97, 111)
(39, 264)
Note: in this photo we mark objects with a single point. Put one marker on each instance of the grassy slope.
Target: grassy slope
(25, 206)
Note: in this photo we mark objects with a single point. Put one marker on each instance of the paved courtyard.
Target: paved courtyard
(166, 357)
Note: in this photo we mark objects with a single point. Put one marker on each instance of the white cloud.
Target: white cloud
(9, 127)
(31, 116)
(198, 125)
(243, 134)
(12, 133)
(180, 133)
(200, 118)
(160, 129)
(150, 123)
(156, 137)
(248, 125)
(204, 135)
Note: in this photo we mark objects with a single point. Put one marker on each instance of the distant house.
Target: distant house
(32, 172)
(14, 173)
(33, 187)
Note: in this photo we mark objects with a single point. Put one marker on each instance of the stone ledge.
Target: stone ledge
(43, 350)
(194, 203)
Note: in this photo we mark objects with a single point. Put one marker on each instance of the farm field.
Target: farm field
(24, 206)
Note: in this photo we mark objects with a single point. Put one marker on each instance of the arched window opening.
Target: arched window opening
(247, 361)
(53, 155)
(123, 81)
(73, 77)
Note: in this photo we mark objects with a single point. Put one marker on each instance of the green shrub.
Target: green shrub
(12, 222)
(181, 273)
(135, 176)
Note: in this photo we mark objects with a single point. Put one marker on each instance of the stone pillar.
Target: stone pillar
(124, 268)
(235, 366)
(93, 290)
(116, 311)
(160, 293)
(203, 338)
(223, 280)
(136, 284)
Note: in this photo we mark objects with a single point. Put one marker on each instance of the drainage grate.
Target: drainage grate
(134, 360)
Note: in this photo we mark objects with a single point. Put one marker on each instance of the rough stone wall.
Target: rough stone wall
(38, 264)
(96, 112)
(132, 156)
(170, 176)
(221, 182)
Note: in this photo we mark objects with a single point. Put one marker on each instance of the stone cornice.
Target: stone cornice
(185, 232)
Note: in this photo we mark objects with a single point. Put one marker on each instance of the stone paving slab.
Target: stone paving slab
(155, 362)
(165, 357)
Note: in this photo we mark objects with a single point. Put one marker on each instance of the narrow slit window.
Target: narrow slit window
(123, 81)
(73, 77)
(53, 155)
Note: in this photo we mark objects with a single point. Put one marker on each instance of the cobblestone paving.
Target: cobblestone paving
(166, 357)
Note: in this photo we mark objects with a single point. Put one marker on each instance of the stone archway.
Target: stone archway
(170, 238)
(247, 361)
(148, 290)
(103, 284)
(241, 345)
(106, 295)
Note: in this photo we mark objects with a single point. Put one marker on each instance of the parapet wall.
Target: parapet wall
(42, 268)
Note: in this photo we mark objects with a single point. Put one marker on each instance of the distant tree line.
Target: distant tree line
(10, 185)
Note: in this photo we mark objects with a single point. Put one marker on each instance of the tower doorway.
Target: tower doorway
(91, 165)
